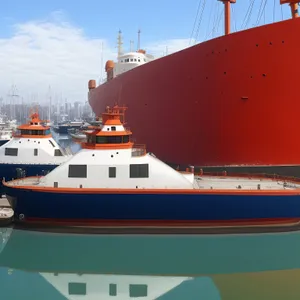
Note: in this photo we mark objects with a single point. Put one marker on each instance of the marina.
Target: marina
(138, 190)
(173, 173)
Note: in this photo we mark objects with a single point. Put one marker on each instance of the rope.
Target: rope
(200, 20)
(194, 26)
(262, 12)
(247, 14)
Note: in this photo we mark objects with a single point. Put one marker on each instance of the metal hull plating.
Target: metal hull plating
(229, 101)
(158, 208)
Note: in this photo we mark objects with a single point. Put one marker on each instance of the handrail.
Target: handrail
(251, 175)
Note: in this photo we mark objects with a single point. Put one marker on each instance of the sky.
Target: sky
(52, 48)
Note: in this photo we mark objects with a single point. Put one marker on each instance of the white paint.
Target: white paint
(161, 176)
(26, 148)
(109, 128)
(129, 61)
(97, 285)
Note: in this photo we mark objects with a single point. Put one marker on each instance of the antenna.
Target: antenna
(13, 94)
(120, 43)
(139, 40)
(131, 45)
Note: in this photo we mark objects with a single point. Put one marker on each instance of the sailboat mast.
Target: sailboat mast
(227, 18)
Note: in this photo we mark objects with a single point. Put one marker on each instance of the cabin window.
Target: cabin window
(114, 140)
(139, 171)
(11, 151)
(127, 60)
(135, 59)
(139, 60)
(55, 184)
(77, 171)
(126, 139)
(35, 152)
(76, 288)
(112, 172)
(51, 143)
(109, 139)
(57, 152)
(138, 290)
(131, 59)
(112, 289)
(113, 128)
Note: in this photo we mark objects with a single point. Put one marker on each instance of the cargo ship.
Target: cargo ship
(235, 95)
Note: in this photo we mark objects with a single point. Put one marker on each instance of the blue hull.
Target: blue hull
(9, 171)
(2, 142)
(155, 208)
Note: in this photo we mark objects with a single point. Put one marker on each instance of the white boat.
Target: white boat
(31, 151)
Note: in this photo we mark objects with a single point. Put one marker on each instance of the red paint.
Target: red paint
(228, 101)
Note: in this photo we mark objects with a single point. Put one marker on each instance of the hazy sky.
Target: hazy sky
(59, 42)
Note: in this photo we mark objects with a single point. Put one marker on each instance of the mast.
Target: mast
(139, 40)
(120, 43)
(227, 14)
(294, 7)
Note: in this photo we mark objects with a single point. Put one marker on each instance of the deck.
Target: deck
(243, 183)
(210, 183)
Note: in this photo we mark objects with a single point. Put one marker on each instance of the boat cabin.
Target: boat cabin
(32, 143)
(109, 159)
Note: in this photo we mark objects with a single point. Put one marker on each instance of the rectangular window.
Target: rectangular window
(57, 152)
(11, 151)
(139, 171)
(35, 152)
(113, 128)
(112, 289)
(77, 171)
(112, 172)
(77, 288)
(138, 290)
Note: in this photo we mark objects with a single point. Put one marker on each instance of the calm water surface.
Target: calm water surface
(35, 265)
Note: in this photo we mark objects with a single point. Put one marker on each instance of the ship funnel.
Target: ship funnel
(92, 84)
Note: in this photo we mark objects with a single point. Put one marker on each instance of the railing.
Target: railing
(138, 150)
(274, 177)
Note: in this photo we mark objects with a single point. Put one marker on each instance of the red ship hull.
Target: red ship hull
(230, 101)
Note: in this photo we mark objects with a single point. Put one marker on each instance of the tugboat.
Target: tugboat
(31, 151)
(113, 182)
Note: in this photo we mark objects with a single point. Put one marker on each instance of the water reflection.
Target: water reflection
(53, 266)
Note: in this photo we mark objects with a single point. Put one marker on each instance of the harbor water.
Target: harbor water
(65, 265)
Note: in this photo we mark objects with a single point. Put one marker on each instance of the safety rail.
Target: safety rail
(250, 175)
(138, 150)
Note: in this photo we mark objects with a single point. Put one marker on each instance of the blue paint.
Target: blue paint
(180, 207)
(9, 171)
(2, 142)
